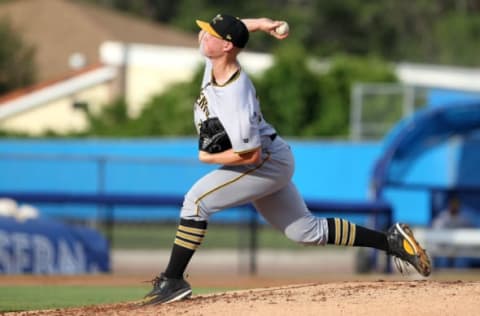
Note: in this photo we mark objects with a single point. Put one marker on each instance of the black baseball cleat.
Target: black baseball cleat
(403, 246)
(166, 290)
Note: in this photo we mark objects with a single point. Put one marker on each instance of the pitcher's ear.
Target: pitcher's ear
(228, 46)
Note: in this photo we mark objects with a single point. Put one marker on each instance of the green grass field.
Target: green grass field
(134, 236)
(24, 298)
(158, 236)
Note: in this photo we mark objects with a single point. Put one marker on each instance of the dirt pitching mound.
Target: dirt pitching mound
(336, 298)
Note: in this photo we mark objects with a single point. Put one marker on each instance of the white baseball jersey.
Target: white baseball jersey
(236, 106)
(267, 185)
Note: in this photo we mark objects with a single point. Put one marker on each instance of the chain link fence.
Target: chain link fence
(376, 108)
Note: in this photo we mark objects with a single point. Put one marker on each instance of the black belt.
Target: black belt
(273, 136)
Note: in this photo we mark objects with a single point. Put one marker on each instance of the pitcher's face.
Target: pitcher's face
(211, 46)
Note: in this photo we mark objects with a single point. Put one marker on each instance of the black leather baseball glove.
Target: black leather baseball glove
(213, 137)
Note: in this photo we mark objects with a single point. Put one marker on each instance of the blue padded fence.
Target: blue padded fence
(379, 211)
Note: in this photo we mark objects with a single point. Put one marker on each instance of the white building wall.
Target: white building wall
(59, 115)
(152, 69)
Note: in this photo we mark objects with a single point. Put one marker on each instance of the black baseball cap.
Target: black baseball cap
(226, 27)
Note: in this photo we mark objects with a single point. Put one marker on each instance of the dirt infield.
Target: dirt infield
(361, 297)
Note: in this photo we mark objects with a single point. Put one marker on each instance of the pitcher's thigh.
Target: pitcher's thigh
(225, 188)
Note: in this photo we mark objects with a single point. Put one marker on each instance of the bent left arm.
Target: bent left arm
(229, 157)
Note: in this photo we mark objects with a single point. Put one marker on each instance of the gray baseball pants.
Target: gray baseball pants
(268, 186)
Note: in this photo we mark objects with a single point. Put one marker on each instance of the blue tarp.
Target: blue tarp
(421, 133)
(44, 246)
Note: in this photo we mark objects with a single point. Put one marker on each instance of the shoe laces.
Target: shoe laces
(156, 281)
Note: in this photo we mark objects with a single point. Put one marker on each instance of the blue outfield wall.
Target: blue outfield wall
(41, 246)
(332, 170)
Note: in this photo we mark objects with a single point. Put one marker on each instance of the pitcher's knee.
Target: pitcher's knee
(303, 238)
(193, 209)
(307, 231)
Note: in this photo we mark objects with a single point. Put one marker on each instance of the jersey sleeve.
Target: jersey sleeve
(241, 122)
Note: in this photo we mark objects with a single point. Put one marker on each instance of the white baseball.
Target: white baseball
(282, 29)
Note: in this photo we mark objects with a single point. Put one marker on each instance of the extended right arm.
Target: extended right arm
(264, 24)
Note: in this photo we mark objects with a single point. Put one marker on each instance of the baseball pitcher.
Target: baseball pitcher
(255, 165)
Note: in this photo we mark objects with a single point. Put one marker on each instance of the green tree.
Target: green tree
(288, 91)
(17, 67)
(418, 31)
(170, 114)
(456, 37)
(302, 97)
(333, 109)
(111, 121)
